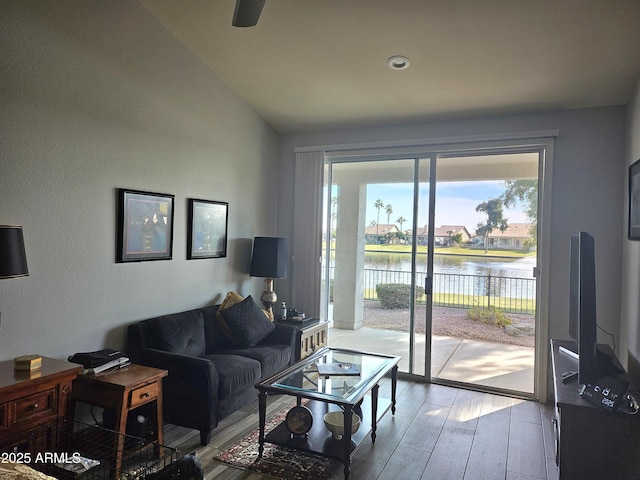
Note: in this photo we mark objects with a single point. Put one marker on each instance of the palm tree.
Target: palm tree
(379, 204)
(401, 220)
(389, 210)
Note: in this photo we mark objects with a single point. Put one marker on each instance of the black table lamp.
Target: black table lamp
(13, 260)
(269, 260)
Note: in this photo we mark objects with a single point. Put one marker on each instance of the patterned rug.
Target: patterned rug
(276, 461)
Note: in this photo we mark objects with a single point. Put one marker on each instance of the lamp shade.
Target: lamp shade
(13, 259)
(269, 257)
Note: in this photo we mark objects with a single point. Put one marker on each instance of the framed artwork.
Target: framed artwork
(207, 229)
(145, 226)
(634, 201)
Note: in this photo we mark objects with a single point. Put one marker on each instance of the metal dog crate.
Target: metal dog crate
(77, 451)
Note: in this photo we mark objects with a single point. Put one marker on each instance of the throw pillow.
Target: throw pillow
(246, 322)
(231, 298)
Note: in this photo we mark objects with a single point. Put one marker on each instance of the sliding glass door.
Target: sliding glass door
(432, 258)
(483, 286)
(370, 254)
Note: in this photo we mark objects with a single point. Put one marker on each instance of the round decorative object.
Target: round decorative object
(299, 420)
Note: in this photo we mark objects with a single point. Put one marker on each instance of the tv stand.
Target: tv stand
(590, 441)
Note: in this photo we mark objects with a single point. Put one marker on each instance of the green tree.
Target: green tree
(378, 204)
(495, 219)
(525, 191)
(453, 239)
(401, 220)
(449, 232)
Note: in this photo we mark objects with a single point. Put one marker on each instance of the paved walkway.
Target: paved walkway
(484, 363)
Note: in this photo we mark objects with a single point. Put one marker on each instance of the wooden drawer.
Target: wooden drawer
(143, 394)
(33, 406)
(4, 417)
(30, 400)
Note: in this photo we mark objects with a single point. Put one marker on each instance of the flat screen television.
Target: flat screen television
(583, 328)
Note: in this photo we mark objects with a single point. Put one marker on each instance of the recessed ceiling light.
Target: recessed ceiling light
(398, 62)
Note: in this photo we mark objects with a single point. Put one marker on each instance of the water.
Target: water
(457, 264)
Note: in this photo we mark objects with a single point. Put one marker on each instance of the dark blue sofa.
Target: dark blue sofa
(209, 378)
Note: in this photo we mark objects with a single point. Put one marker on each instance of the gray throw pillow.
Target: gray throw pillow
(246, 323)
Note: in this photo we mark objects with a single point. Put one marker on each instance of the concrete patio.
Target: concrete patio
(483, 363)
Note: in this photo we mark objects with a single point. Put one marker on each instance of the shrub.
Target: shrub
(490, 316)
(396, 295)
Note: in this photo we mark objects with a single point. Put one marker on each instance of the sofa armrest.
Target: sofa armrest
(285, 335)
(190, 390)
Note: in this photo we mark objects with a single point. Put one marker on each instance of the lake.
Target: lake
(458, 264)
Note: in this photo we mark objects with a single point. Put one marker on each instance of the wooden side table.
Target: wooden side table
(313, 338)
(122, 391)
(33, 400)
(313, 335)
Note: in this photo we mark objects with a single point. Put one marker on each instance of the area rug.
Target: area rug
(276, 461)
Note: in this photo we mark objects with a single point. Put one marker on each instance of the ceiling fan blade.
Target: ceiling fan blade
(247, 12)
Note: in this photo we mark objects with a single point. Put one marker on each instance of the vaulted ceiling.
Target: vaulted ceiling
(322, 64)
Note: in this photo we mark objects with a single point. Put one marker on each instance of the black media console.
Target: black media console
(590, 441)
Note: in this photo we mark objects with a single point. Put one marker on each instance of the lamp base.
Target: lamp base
(268, 297)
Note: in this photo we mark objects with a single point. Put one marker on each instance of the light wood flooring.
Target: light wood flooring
(438, 432)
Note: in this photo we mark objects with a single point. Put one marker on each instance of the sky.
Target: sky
(456, 203)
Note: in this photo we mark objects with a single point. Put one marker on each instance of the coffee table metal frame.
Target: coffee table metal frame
(352, 398)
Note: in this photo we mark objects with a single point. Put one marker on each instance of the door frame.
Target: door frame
(542, 140)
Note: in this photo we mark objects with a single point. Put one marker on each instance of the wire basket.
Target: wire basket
(73, 450)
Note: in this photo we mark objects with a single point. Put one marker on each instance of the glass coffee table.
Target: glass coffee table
(352, 375)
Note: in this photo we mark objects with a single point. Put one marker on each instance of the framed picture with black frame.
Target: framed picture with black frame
(145, 226)
(208, 221)
(634, 201)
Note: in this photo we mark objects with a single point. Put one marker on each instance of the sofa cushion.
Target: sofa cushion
(215, 338)
(272, 358)
(235, 372)
(246, 323)
(178, 333)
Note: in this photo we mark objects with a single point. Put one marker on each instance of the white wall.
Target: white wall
(630, 315)
(589, 156)
(95, 96)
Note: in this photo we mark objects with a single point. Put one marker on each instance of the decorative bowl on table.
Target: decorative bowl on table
(334, 421)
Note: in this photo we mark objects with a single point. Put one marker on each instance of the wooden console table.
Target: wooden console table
(590, 441)
(33, 400)
(122, 391)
